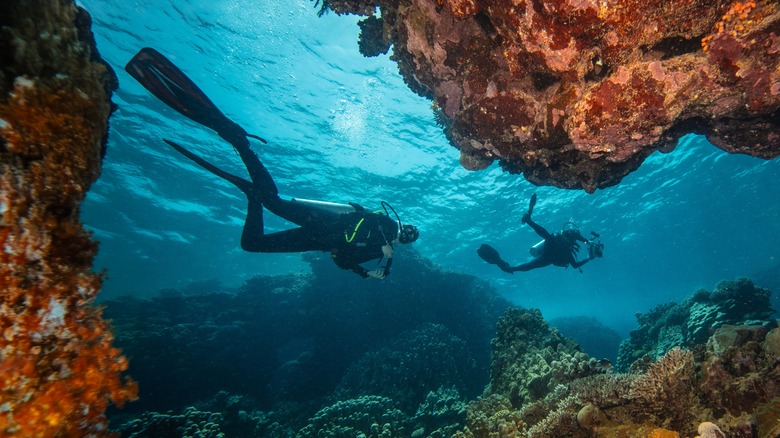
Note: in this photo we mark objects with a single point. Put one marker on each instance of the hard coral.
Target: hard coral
(58, 369)
(578, 93)
(668, 388)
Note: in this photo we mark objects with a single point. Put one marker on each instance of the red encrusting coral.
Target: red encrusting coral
(58, 368)
(577, 93)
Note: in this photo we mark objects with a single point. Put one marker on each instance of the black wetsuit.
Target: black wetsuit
(351, 238)
(559, 250)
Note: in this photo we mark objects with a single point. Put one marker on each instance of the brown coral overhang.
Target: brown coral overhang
(577, 93)
(58, 368)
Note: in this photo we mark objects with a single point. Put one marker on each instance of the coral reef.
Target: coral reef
(297, 343)
(724, 385)
(190, 423)
(408, 368)
(58, 368)
(578, 93)
(370, 416)
(530, 358)
(737, 302)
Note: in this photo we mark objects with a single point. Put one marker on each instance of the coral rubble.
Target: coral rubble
(58, 368)
(578, 93)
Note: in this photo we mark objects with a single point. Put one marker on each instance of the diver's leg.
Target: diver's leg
(253, 225)
(294, 240)
(264, 185)
(301, 214)
(539, 229)
(538, 262)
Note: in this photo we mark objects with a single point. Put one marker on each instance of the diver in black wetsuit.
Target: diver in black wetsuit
(352, 237)
(559, 249)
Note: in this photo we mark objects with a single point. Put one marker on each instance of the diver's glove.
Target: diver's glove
(378, 274)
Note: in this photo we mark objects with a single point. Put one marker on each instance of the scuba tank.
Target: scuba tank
(537, 249)
(332, 207)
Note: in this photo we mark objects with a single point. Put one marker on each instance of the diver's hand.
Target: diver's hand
(379, 274)
(387, 250)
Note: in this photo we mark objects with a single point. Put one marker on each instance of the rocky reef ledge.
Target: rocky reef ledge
(577, 93)
(58, 368)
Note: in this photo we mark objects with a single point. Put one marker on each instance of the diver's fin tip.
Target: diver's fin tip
(489, 254)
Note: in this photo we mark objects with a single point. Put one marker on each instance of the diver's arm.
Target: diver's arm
(348, 263)
(575, 264)
(538, 228)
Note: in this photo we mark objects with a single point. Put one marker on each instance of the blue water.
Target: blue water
(346, 128)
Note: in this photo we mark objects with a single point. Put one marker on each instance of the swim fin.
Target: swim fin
(490, 255)
(531, 204)
(244, 185)
(169, 84)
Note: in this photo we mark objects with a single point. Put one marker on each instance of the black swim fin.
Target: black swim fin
(244, 185)
(531, 204)
(490, 255)
(169, 84)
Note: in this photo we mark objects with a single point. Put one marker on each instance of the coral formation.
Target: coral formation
(287, 344)
(725, 384)
(668, 388)
(737, 302)
(578, 93)
(530, 358)
(407, 369)
(370, 416)
(190, 423)
(59, 370)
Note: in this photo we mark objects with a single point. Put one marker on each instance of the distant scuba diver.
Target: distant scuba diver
(559, 249)
(349, 232)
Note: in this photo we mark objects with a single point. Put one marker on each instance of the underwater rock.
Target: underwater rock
(60, 370)
(577, 94)
(690, 323)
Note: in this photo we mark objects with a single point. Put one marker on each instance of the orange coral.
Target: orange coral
(663, 433)
(737, 21)
(58, 370)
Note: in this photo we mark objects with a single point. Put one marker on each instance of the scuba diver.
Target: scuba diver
(349, 232)
(559, 249)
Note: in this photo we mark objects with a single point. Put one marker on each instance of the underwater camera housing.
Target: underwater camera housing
(595, 247)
